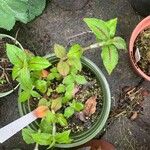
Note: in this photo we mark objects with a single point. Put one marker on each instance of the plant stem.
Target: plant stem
(53, 133)
(36, 146)
(93, 46)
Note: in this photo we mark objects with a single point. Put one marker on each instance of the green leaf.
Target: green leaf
(35, 8)
(51, 76)
(68, 80)
(61, 88)
(50, 117)
(69, 91)
(16, 55)
(19, 10)
(27, 135)
(24, 78)
(42, 138)
(112, 25)
(63, 68)
(119, 43)
(60, 51)
(63, 138)
(24, 96)
(110, 57)
(45, 126)
(80, 79)
(54, 70)
(12, 10)
(98, 27)
(75, 62)
(78, 106)
(15, 72)
(56, 104)
(69, 111)
(38, 63)
(43, 102)
(41, 85)
(35, 94)
(75, 51)
(61, 120)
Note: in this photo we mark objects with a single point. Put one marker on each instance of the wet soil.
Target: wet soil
(143, 44)
(79, 122)
(6, 82)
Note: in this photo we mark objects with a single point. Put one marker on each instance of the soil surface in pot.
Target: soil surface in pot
(91, 92)
(6, 82)
(143, 44)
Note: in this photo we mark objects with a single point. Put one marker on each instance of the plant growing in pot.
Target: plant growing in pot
(71, 86)
(139, 48)
(7, 84)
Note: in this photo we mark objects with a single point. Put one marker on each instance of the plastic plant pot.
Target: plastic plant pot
(141, 6)
(71, 4)
(16, 43)
(144, 24)
(97, 128)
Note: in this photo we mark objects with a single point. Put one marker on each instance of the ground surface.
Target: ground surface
(56, 26)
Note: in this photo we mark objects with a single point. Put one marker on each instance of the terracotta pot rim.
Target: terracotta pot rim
(145, 23)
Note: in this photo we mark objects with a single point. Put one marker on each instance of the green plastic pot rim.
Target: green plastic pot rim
(9, 92)
(94, 130)
(17, 43)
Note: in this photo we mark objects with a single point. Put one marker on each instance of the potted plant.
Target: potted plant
(73, 89)
(7, 84)
(141, 6)
(71, 4)
(139, 48)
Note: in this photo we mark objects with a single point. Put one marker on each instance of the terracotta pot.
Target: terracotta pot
(145, 23)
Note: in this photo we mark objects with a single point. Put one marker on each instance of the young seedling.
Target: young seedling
(54, 85)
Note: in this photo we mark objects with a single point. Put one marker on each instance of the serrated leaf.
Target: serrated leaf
(110, 57)
(61, 88)
(63, 138)
(38, 63)
(75, 51)
(75, 62)
(35, 94)
(112, 25)
(69, 91)
(42, 138)
(60, 51)
(61, 120)
(69, 111)
(80, 79)
(41, 85)
(119, 43)
(68, 80)
(45, 126)
(15, 72)
(98, 27)
(78, 106)
(24, 96)
(24, 78)
(43, 102)
(16, 55)
(63, 68)
(50, 117)
(56, 104)
(27, 135)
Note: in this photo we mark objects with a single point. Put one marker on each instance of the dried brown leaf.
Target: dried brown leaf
(90, 106)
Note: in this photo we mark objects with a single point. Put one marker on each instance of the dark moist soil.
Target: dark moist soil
(5, 70)
(143, 44)
(92, 88)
